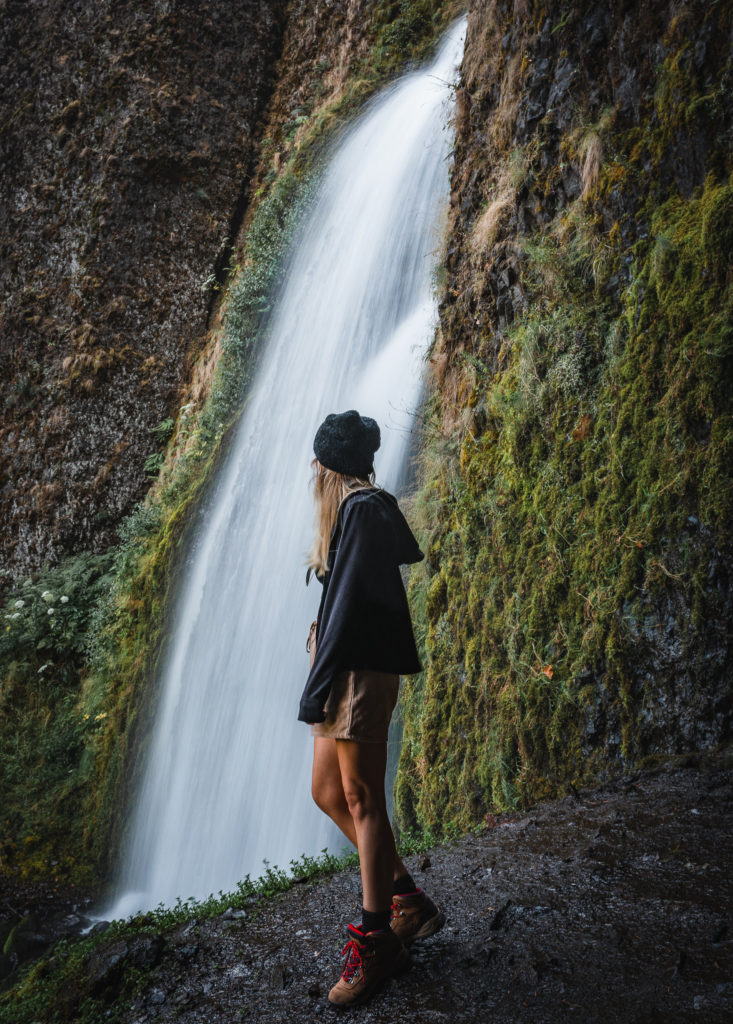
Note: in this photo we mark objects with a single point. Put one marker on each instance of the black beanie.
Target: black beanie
(346, 442)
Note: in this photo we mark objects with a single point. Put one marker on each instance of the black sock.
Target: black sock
(374, 920)
(403, 885)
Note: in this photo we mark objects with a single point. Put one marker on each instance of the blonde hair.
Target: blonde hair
(330, 489)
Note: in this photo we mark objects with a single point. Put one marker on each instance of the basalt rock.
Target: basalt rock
(127, 142)
(576, 500)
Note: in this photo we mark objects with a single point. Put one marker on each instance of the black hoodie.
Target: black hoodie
(363, 618)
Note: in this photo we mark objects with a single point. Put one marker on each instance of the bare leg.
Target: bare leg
(363, 768)
(328, 793)
(327, 789)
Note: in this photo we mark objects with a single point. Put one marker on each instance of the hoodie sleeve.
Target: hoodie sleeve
(365, 549)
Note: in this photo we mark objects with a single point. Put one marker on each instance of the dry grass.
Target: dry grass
(486, 229)
(203, 372)
(591, 153)
(585, 148)
(445, 380)
(502, 199)
(463, 113)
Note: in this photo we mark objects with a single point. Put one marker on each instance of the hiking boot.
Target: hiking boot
(415, 916)
(370, 960)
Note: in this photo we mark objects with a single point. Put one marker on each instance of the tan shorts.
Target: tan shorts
(359, 706)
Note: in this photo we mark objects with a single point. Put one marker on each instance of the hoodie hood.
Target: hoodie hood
(405, 549)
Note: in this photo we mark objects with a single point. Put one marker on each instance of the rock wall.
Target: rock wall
(575, 505)
(576, 491)
(82, 638)
(127, 141)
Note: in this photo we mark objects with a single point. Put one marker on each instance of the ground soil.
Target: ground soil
(612, 905)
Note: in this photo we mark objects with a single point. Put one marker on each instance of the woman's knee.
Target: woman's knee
(362, 800)
(326, 779)
(327, 796)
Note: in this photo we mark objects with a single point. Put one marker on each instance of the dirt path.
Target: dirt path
(611, 906)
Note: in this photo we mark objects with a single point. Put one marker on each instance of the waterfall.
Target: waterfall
(227, 778)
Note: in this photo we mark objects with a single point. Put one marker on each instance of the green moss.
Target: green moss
(44, 728)
(599, 489)
(579, 532)
(717, 233)
(404, 26)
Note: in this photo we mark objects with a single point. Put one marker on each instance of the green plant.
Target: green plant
(45, 624)
(153, 463)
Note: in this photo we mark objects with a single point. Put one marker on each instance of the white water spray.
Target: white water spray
(227, 780)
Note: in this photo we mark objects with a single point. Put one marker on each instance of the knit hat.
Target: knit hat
(346, 442)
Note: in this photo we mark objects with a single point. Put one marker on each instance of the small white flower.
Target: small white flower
(20, 604)
(64, 599)
(43, 668)
(51, 611)
(47, 595)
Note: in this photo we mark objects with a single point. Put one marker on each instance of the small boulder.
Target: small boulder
(234, 915)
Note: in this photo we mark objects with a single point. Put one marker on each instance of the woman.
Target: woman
(360, 643)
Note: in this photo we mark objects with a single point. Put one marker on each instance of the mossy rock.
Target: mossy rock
(25, 941)
(717, 232)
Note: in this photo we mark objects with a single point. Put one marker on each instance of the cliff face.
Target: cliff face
(127, 142)
(82, 637)
(574, 607)
(576, 497)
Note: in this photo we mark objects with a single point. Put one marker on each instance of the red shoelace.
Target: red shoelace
(353, 951)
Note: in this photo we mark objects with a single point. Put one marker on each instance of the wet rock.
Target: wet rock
(116, 140)
(146, 952)
(698, 54)
(571, 182)
(107, 966)
(234, 915)
(565, 72)
(596, 28)
(27, 940)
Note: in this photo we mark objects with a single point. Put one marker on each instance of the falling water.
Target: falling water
(227, 780)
